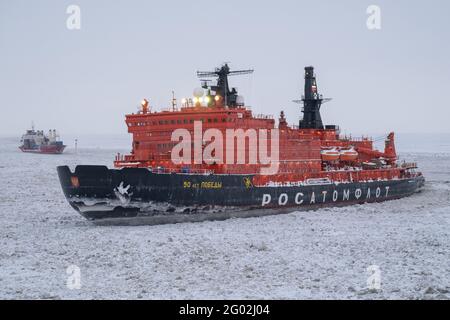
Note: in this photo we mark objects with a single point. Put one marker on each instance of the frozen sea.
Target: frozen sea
(322, 254)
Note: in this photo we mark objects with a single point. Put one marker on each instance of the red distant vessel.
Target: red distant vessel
(316, 165)
(35, 141)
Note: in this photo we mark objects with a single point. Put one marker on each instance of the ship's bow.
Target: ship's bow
(89, 190)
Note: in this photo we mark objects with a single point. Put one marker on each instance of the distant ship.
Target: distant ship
(35, 141)
(316, 166)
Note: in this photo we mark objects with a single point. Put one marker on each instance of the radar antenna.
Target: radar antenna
(222, 89)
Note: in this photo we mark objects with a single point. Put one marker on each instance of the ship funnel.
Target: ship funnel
(312, 101)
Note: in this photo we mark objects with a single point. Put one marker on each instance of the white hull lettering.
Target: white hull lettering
(324, 195)
(297, 198)
(266, 199)
(313, 198)
(378, 192)
(346, 195)
(335, 195)
(283, 199)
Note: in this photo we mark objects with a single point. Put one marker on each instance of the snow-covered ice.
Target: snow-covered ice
(304, 255)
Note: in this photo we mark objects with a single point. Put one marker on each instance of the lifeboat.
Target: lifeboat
(330, 154)
(348, 154)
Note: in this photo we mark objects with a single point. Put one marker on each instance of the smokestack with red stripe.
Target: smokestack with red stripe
(311, 102)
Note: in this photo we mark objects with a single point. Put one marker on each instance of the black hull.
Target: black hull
(114, 196)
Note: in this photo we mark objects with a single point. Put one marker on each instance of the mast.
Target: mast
(221, 88)
(174, 101)
(312, 102)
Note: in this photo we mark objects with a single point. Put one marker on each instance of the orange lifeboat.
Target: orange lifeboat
(330, 154)
(348, 154)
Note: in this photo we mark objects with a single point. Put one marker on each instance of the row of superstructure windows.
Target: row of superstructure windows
(181, 121)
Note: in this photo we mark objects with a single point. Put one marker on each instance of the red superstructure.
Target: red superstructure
(307, 151)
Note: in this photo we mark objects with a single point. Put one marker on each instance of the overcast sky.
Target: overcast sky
(85, 81)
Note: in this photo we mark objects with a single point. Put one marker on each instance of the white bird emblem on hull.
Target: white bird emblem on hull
(122, 193)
